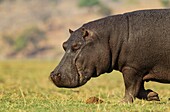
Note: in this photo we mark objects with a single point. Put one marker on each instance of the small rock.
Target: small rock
(94, 100)
(169, 99)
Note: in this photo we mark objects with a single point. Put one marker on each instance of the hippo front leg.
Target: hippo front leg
(132, 80)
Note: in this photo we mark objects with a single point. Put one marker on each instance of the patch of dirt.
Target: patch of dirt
(94, 100)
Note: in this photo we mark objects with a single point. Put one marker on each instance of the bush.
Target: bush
(88, 3)
(104, 10)
(99, 6)
(30, 36)
(165, 3)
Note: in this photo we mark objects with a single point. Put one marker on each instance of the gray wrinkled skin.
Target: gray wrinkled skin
(137, 44)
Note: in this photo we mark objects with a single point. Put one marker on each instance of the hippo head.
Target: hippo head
(87, 55)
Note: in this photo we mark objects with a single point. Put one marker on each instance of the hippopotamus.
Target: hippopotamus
(135, 43)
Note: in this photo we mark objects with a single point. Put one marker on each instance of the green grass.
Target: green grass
(25, 87)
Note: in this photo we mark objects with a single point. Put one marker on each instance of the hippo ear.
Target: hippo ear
(86, 33)
(71, 31)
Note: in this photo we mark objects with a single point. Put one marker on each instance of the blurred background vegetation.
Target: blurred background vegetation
(37, 28)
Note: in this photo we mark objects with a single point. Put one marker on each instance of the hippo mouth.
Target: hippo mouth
(82, 77)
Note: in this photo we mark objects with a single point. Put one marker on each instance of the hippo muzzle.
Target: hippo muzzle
(61, 81)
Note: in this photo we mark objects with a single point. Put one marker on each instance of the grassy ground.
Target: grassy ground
(25, 87)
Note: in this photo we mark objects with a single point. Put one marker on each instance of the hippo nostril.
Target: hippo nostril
(55, 76)
(52, 74)
(58, 75)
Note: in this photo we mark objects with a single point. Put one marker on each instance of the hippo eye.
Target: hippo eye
(65, 45)
(76, 46)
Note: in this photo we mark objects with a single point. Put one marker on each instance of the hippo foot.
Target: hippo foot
(148, 95)
(153, 96)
